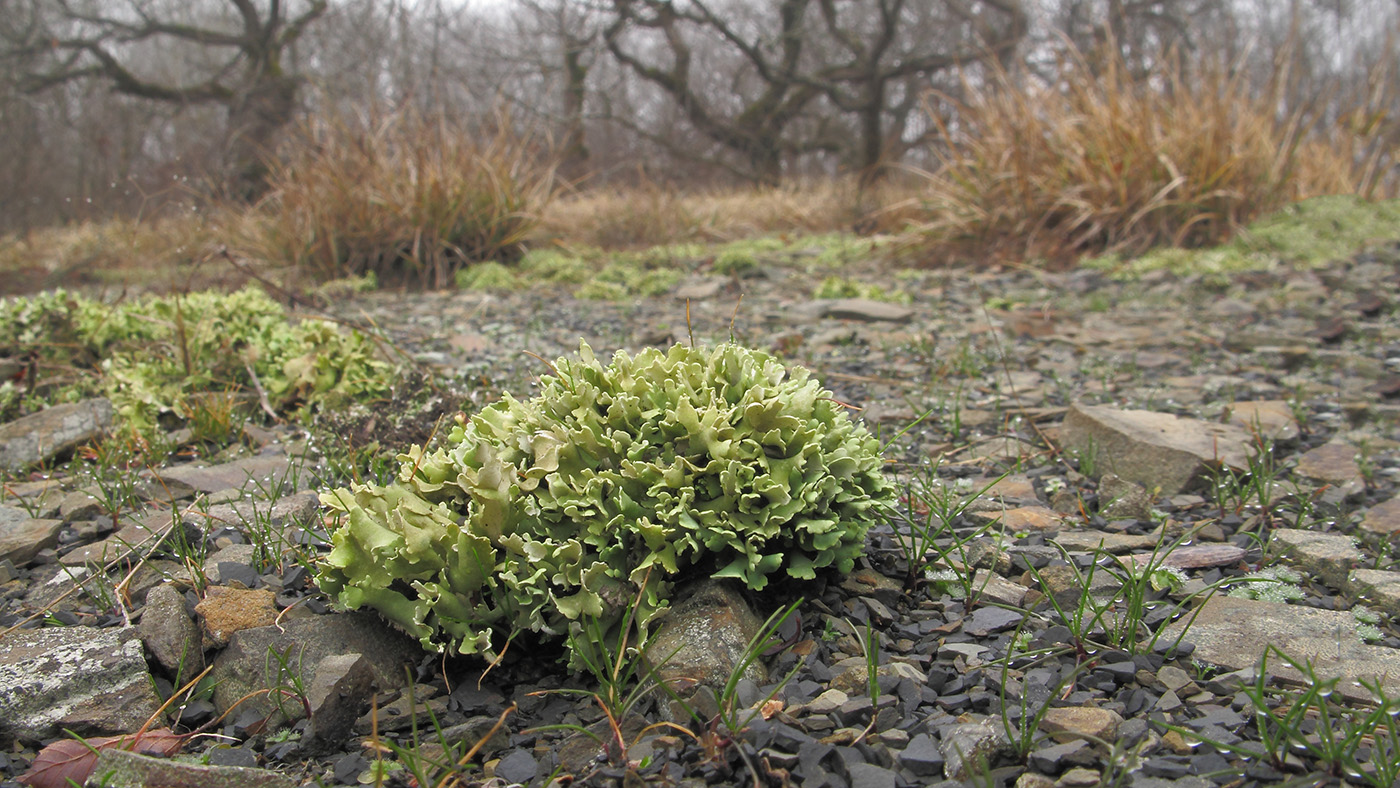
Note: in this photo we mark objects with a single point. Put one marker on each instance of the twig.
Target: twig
(262, 393)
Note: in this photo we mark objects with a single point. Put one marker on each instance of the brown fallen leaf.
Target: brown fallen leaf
(71, 761)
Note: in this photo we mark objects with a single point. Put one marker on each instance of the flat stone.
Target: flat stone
(247, 665)
(869, 775)
(517, 768)
(867, 309)
(1078, 722)
(1333, 463)
(22, 537)
(284, 511)
(701, 287)
(1330, 556)
(170, 634)
(226, 610)
(992, 587)
(266, 472)
(922, 756)
(852, 675)
(987, 620)
(1090, 539)
(1232, 633)
(1272, 418)
(1160, 451)
(1194, 556)
(1022, 519)
(52, 432)
(88, 680)
(142, 533)
(1378, 589)
(827, 702)
(125, 769)
(1383, 518)
(1016, 487)
(80, 505)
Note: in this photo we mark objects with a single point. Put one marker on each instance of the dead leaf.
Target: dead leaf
(71, 761)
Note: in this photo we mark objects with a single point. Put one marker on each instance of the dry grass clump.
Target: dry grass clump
(404, 197)
(652, 215)
(154, 254)
(1101, 162)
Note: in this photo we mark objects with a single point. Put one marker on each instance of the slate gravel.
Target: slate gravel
(999, 688)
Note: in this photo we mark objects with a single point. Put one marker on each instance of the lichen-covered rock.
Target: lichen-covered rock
(602, 491)
(91, 681)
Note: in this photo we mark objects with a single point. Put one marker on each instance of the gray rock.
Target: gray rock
(517, 768)
(1120, 499)
(922, 756)
(81, 504)
(88, 680)
(1157, 450)
(52, 432)
(22, 537)
(263, 472)
(1233, 633)
(1273, 419)
(1333, 463)
(285, 511)
(247, 665)
(967, 746)
(1330, 556)
(867, 309)
(170, 634)
(702, 639)
(868, 775)
(118, 768)
(1377, 588)
(987, 620)
(1086, 539)
(338, 695)
(1383, 518)
(140, 534)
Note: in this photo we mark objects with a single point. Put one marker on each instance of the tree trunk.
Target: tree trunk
(574, 149)
(255, 120)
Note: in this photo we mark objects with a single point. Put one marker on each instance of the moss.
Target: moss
(1310, 233)
(158, 356)
(486, 276)
(844, 287)
(734, 262)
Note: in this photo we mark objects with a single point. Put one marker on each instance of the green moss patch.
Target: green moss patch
(1310, 234)
(157, 356)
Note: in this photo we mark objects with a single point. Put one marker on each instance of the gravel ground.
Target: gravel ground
(1005, 678)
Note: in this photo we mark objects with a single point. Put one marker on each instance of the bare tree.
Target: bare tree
(753, 126)
(870, 59)
(235, 60)
(882, 51)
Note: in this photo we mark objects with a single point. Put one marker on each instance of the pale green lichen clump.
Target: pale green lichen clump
(608, 487)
